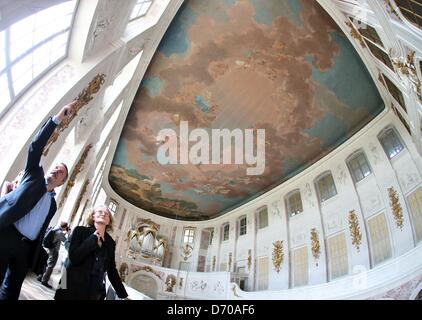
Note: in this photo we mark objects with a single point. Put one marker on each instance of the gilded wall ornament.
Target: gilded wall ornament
(249, 259)
(82, 100)
(316, 247)
(170, 283)
(406, 67)
(354, 228)
(355, 34)
(72, 177)
(396, 207)
(278, 255)
(186, 251)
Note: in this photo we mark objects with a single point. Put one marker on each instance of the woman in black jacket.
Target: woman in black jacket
(91, 256)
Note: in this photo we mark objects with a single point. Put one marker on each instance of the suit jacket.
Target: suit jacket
(75, 283)
(19, 202)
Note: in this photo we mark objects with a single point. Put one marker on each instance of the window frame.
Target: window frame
(113, 203)
(7, 71)
(317, 187)
(239, 221)
(353, 157)
(288, 204)
(189, 235)
(383, 133)
(259, 211)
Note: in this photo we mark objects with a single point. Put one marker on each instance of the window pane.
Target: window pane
(40, 59)
(359, 167)
(4, 92)
(294, 204)
(326, 187)
(263, 218)
(391, 143)
(20, 83)
(20, 46)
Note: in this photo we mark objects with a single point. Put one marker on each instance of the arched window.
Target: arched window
(390, 142)
(262, 217)
(31, 47)
(326, 187)
(294, 203)
(358, 166)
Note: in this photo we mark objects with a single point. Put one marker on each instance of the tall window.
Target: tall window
(380, 238)
(242, 226)
(140, 9)
(226, 231)
(32, 46)
(415, 206)
(112, 206)
(300, 267)
(294, 203)
(395, 92)
(390, 142)
(262, 265)
(337, 251)
(326, 187)
(412, 10)
(359, 166)
(188, 235)
(263, 217)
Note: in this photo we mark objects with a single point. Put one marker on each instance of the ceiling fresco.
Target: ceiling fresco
(279, 65)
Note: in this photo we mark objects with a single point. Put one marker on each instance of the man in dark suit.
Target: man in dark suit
(26, 211)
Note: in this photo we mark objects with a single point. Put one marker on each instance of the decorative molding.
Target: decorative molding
(406, 66)
(72, 178)
(396, 208)
(158, 274)
(278, 255)
(78, 201)
(354, 227)
(186, 251)
(392, 9)
(316, 247)
(82, 100)
(170, 282)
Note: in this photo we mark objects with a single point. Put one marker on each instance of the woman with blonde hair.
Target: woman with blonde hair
(91, 256)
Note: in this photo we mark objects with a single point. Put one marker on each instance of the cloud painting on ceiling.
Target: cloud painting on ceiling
(280, 65)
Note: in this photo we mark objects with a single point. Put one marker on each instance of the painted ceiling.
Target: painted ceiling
(280, 65)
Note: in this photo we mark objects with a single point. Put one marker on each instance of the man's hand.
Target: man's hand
(66, 111)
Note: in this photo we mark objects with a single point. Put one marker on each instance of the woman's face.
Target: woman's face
(102, 215)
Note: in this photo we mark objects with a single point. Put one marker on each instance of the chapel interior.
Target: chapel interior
(336, 213)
